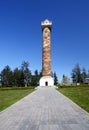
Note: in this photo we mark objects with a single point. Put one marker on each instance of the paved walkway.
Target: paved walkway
(44, 109)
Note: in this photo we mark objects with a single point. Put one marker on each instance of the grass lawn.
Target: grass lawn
(80, 95)
(9, 96)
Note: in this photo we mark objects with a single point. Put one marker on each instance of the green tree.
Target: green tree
(76, 74)
(55, 78)
(26, 72)
(84, 74)
(35, 78)
(73, 76)
(7, 77)
(18, 77)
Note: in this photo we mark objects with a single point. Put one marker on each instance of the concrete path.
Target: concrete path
(44, 109)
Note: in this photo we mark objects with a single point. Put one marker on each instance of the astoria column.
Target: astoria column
(46, 79)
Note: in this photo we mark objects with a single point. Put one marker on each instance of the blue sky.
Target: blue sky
(21, 35)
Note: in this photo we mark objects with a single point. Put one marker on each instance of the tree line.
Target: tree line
(79, 75)
(20, 77)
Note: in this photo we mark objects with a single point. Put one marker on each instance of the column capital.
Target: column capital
(46, 23)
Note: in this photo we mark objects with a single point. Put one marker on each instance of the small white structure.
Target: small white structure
(46, 81)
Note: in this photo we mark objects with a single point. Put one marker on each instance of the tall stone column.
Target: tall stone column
(46, 79)
(46, 52)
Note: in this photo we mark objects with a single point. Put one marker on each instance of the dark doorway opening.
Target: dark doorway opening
(46, 83)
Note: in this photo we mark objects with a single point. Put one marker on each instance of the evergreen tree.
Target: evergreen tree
(84, 74)
(18, 77)
(73, 76)
(7, 77)
(55, 78)
(35, 78)
(76, 74)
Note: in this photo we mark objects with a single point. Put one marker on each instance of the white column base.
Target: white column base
(46, 81)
